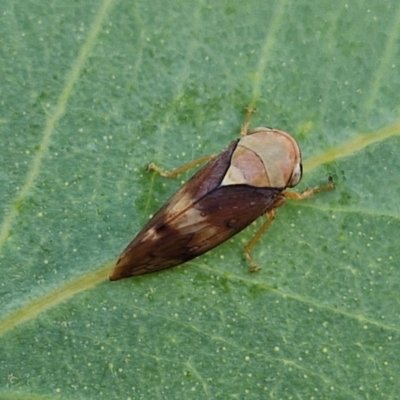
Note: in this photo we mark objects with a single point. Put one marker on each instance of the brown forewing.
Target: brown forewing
(200, 216)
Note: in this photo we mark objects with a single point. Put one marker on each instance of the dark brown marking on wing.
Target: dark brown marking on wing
(230, 209)
(227, 210)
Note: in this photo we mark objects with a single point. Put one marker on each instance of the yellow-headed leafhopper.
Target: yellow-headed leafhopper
(231, 191)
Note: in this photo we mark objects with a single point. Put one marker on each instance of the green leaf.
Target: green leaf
(91, 93)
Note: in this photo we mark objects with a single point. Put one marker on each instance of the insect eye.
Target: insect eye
(296, 176)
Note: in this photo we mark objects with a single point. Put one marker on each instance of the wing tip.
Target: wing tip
(119, 271)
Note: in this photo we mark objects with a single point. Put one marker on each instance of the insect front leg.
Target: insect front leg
(309, 192)
(245, 127)
(180, 170)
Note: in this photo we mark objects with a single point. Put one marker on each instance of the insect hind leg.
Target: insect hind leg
(247, 249)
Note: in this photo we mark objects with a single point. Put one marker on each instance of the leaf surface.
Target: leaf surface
(94, 91)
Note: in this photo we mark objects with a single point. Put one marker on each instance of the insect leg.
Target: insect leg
(245, 127)
(309, 192)
(172, 174)
(247, 250)
(183, 168)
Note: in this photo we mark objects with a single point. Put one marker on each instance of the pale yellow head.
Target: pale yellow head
(265, 158)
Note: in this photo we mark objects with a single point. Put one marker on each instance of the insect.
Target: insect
(232, 190)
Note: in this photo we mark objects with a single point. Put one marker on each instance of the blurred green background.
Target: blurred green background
(91, 92)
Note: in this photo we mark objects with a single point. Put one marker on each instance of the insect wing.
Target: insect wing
(141, 256)
(223, 213)
(200, 216)
(213, 219)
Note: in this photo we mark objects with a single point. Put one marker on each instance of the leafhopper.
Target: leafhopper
(247, 180)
